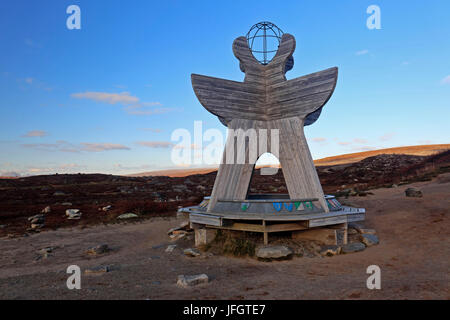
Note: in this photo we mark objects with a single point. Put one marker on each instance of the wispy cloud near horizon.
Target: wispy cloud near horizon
(64, 146)
(97, 147)
(111, 98)
(155, 144)
(446, 80)
(35, 133)
(362, 52)
(387, 136)
(132, 104)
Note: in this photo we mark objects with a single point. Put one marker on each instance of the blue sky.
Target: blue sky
(106, 98)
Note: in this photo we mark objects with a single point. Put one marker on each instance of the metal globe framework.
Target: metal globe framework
(263, 40)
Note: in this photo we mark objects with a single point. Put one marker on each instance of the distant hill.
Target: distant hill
(174, 172)
(422, 150)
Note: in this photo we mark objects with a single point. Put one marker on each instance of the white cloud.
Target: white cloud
(111, 98)
(9, 174)
(139, 110)
(155, 144)
(387, 136)
(97, 147)
(446, 80)
(319, 139)
(64, 146)
(362, 52)
(154, 130)
(363, 148)
(32, 43)
(132, 104)
(35, 133)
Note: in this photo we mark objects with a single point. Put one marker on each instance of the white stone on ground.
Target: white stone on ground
(273, 252)
(190, 281)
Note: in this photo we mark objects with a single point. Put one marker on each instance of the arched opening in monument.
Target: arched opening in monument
(267, 178)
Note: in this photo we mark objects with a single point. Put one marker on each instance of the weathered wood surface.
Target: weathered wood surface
(267, 100)
(302, 181)
(280, 217)
(265, 93)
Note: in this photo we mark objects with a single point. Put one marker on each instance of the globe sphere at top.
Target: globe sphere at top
(263, 40)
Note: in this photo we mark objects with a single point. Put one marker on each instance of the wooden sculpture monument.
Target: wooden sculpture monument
(267, 100)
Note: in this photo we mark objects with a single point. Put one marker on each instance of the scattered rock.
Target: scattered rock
(47, 210)
(413, 192)
(366, 231)
(59, 193)
(190, 281)
(177, 236)
(352, 231)
(329, 251)
(369, 239)
(170, 248)
(38, 216)
(66, 203)
(127, 216)
(183, 226)
(180, 188)
(37, 221)
(190, 252)
(2, 226)
(44, 253)
(46, 250)
(100, 249)
(107, 208)
(273, 252)
(97, 270)
(73, 214)
(353, 247)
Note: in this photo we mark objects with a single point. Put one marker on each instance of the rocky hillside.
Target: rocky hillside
(102, 198)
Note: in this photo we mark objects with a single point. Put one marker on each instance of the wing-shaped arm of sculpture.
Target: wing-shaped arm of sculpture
(227, 99)
(303, 95)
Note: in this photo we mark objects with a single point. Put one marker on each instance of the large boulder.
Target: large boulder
(274, 252)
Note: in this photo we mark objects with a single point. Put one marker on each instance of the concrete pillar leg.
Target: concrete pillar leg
(204, 236)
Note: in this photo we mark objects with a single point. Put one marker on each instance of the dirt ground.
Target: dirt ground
(413, 255)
